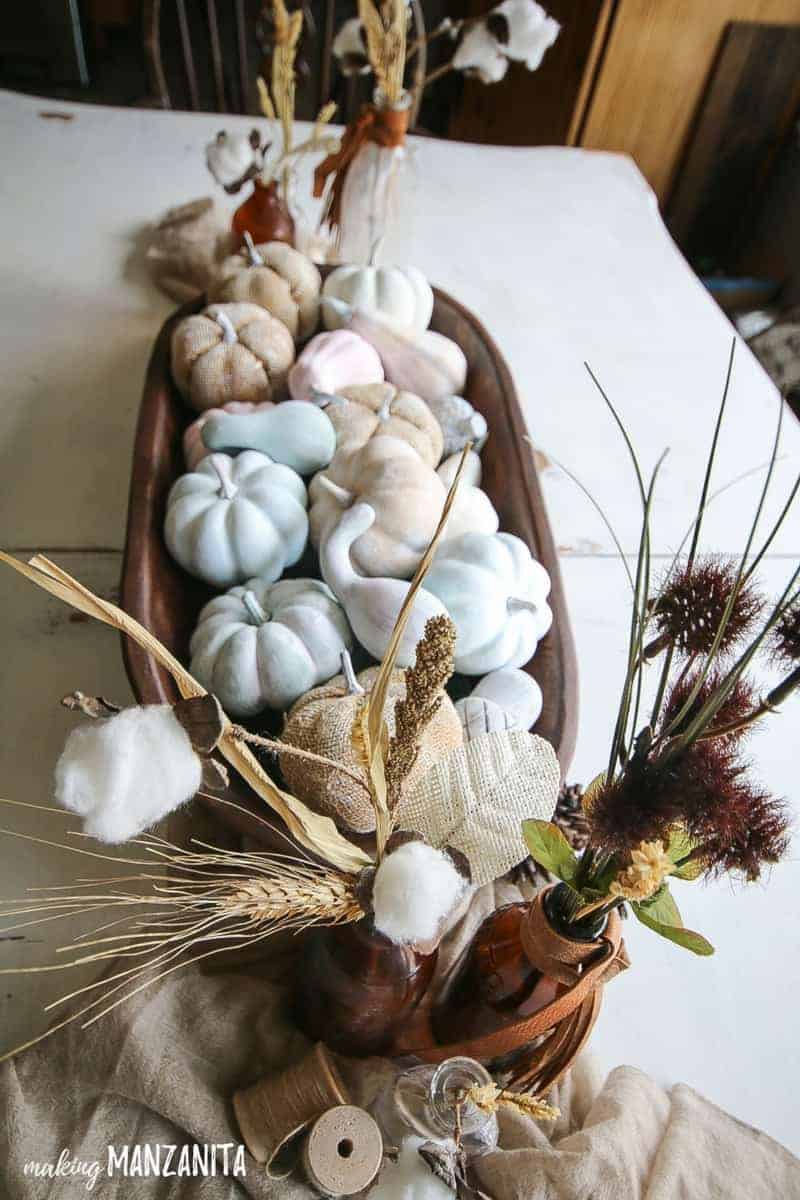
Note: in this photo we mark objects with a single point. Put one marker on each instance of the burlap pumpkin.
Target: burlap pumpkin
(231, 352)
(367, 410)
(322, 721)
(280, 279)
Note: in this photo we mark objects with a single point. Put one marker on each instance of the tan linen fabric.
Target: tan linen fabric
(162, 1069)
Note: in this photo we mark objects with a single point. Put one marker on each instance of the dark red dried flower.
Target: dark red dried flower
(736, 707)
(692, 603)
(785, 637)
(705, 788)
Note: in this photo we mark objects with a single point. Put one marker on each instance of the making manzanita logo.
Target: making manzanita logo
(146, 1162)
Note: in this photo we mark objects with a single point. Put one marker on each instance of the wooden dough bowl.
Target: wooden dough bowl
(159, 594)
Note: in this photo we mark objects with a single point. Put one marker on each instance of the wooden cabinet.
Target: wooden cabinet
(625, 75)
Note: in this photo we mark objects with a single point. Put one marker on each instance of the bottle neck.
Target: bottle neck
(557, 911)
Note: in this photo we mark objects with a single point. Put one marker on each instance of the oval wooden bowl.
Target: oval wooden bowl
(159, 594)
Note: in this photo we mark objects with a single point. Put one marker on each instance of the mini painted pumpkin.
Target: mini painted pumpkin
(460, 423)
(263, 645)
(234, 518)
(373, 605)
(401, 294)
(407, 496)
(322, 721)
(279, 278)
(194, 448)
(370, 410)
(298, 435)
(496, 594)
(332, 361)
(230, 352)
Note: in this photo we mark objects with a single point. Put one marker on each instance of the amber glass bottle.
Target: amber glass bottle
(264, 216)
(356, 988)
(498, 982)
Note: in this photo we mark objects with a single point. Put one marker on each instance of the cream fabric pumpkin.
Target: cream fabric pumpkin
(407, 496)
(279, 278)
(401, 294)
(230, 352)
(370, 410)
(496, 594)
(234, 518)
(322, 721)
(263, 645)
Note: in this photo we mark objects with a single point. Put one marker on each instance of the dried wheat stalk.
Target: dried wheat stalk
(196, 903)
(385, 28)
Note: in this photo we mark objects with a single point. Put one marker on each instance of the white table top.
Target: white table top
(563, 255)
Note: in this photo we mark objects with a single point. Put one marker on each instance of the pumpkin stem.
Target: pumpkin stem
(255, 258)
(375, 250)
(221, 465)
(354, 688)
(324, 399)
(385, 410)
(228, 332)
(515, 604)
(340, 494)
(257, 613)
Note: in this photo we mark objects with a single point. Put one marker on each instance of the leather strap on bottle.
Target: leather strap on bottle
(513, 1037)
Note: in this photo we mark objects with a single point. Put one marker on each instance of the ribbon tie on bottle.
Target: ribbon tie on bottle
(385, 127)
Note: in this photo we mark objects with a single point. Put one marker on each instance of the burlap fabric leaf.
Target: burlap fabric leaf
(476, 798)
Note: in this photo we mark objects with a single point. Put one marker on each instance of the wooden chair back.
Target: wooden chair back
(206, 57)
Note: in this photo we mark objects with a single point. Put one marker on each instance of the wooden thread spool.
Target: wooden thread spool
(274, 1110)
(343, 1151)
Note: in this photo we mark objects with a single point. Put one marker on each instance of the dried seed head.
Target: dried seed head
(690, 607)
(785, 639)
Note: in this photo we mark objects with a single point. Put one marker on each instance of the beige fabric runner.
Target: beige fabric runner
(162, 1069)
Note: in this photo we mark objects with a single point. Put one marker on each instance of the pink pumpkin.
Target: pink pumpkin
(193, 449)
(332, 361)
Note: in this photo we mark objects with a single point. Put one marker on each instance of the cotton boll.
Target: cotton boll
(124, 774)
(410, 1178)
(415, 889)
(233, 158)
(479, 54)
(530, 31)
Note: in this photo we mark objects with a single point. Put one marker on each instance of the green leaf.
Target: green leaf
(673, 933)
(550, 849)
(662, 908)
(692, 869)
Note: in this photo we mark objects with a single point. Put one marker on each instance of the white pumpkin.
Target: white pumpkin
(496, 593)
(514, 691)
(478, 716)
(296, 434)
(400, 294)
(459, 423)
(472, 474)
(407, 496)
(263, 645)
(373, 605)
(234, 518)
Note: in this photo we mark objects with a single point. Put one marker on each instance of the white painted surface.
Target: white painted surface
(562, 253)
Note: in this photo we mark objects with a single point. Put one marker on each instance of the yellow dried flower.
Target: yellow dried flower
(649, 866)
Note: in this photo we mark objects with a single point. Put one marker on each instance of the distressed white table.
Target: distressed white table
(562, 253)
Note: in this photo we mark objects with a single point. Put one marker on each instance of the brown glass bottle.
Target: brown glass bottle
(497, 983)
(264, 216)
(355, 987)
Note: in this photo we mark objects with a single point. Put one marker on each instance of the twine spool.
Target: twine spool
(274, 1110)
(343, 1151)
